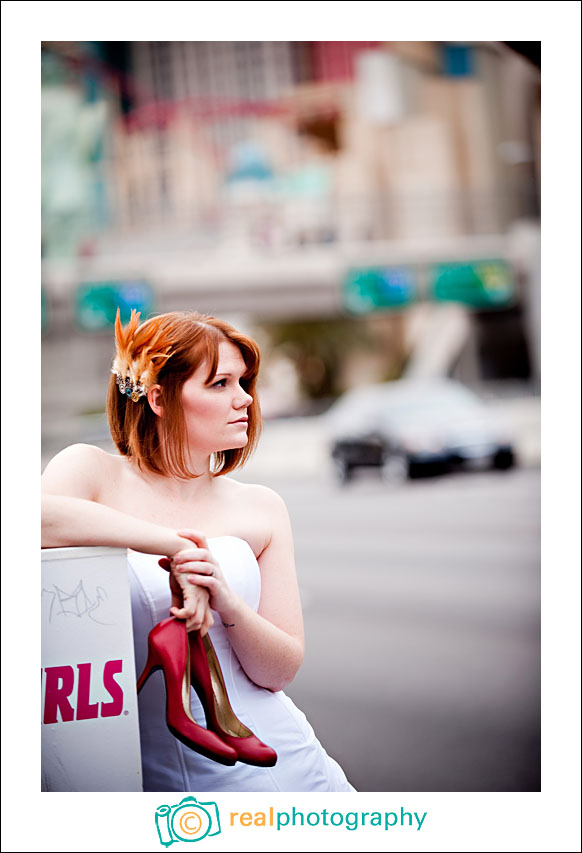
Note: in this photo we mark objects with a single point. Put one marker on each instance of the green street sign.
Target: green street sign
(374, 288)
(482, 284)
(97, 302)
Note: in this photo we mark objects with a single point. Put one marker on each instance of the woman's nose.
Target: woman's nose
(244, 400)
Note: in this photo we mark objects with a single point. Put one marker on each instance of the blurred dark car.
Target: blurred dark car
(413, 428)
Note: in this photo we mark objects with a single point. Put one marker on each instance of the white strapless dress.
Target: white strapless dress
(168, 765)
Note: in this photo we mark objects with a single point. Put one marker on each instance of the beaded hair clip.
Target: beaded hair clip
(141, 352)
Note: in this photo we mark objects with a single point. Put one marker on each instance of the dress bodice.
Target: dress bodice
(239, 566)
(170, 766)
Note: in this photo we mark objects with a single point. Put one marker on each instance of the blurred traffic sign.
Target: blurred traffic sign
(482, 284)
(97, 302)
(373, 288)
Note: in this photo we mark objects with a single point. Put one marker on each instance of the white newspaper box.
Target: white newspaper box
(90, 731)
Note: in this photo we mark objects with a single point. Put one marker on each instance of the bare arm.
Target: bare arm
(69, 521)
(269, 644)
(72, 515)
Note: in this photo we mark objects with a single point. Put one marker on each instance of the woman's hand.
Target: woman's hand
(201, 571)
(188, 603)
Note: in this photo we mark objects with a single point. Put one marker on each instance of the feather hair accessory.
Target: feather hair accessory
(141, 353)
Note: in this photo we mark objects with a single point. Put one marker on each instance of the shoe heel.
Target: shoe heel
(208, 681)
(168, 650)
(152, 663)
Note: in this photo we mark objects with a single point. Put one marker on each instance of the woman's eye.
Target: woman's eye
(220, 384)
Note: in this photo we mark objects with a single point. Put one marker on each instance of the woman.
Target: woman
(183, 413)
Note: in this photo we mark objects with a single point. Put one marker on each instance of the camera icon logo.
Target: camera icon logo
(188, 820)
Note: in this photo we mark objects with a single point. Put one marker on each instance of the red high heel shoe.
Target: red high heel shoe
(208, 681)
(168, 650)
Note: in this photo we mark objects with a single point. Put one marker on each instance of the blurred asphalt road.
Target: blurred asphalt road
(422, 609)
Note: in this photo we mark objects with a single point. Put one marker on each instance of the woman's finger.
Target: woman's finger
(206, 581)
(193, 616)
(202, 554)
(196, 619)
(207, 623)
(196, 566)
(185, 593)
(195, 536)
(182, 576)
(194, 623)
(178, 612)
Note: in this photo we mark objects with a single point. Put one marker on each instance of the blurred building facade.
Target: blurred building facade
(407, 139)
(249, 178)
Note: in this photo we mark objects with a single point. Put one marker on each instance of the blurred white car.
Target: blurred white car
(412, 427)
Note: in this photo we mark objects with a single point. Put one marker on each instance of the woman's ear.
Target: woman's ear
(154, 396)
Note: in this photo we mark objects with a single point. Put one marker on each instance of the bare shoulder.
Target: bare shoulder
(259, 515)
(259, 498)
(79, 470)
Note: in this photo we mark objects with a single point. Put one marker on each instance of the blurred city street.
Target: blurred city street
(422, 606)
(370, 236)
(369, 214)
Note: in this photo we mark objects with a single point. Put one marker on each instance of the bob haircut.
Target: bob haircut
(158, 443)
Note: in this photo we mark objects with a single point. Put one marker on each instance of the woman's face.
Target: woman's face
(216, 414)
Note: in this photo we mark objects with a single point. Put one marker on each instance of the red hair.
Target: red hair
(192, 339)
